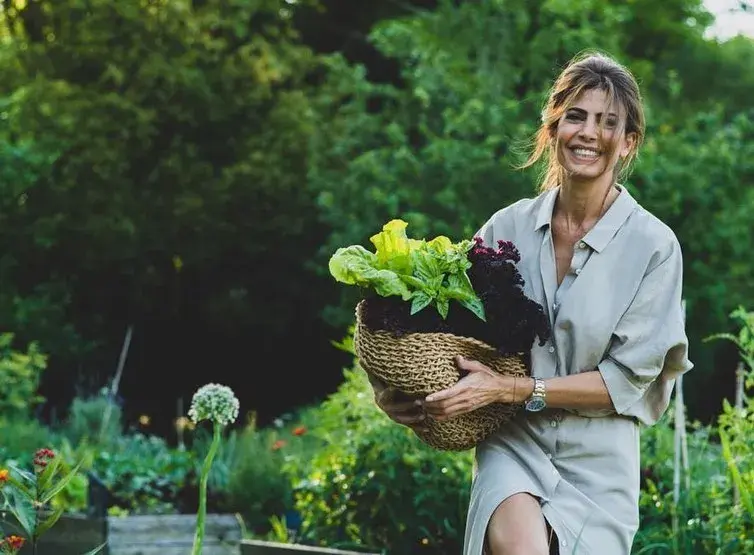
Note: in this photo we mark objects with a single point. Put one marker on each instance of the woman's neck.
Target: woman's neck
(581, 204)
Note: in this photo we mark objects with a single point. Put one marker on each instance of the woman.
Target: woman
(564, 474)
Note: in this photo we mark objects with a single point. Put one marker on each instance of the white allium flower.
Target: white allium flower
(214, 402)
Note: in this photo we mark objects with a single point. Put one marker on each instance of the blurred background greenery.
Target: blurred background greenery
(185, 168)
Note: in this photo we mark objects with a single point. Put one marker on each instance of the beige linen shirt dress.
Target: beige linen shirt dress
(618, 310)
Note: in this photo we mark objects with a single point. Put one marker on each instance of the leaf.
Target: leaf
(443, 305)
(49, 522)
(24, 474)
(425, 266)
(475, 306)
(349, 264)
(421, 300)
(21, 487)
(96, 549)
(743, 488)
(61, 483)
(44, 478)
(355, 265)
(22, 508)
(392, 243)
(440, 244)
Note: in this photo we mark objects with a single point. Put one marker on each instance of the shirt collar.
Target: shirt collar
(605, 228)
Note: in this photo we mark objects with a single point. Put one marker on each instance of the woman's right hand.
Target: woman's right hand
(399, 407)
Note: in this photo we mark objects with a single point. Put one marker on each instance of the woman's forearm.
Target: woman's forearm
(585, 391)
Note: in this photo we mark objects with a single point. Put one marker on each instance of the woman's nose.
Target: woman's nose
(590, 128)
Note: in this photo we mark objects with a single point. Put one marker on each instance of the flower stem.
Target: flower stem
(202, 511)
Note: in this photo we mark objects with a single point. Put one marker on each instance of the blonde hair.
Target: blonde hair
(587, 71)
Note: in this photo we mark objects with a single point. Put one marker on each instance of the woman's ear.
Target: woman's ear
(628, 145)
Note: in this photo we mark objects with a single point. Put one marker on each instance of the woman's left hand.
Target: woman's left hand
(480, 387)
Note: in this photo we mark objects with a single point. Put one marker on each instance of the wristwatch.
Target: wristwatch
(536, 402)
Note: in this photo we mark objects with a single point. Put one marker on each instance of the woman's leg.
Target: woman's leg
(517, 527)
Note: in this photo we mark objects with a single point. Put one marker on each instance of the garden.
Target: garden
(181, 171)
(341, 475)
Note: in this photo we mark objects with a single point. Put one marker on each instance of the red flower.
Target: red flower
(299, 431)
(42, 457)
(278, 444)
(13, 542)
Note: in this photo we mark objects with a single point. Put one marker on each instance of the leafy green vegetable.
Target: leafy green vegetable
(422, 272)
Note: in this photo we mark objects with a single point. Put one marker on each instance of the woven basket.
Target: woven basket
(418, 364)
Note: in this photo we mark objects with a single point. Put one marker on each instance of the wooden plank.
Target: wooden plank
(148, 528)
(71, 535)
(260, 547)
(176, 550)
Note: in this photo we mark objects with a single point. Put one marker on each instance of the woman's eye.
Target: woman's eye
(573, 117)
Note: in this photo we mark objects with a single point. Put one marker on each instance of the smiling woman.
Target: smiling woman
(563, 475)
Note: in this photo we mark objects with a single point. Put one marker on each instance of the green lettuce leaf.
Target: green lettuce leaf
(394, 247)
(354, 265)
(424, 272)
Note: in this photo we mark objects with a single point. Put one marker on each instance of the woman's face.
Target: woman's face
(584, 150)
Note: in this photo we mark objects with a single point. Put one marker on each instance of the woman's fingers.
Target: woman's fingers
(402, 409)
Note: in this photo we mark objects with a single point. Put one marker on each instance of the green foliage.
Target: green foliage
(425, 272)
(85, 420)
(717, 513)
(27, 494)
(744, 340)
(375, 484)
(249, 480)
(736, 424)
(144, 475)
(147, 166)
(19, 438)
(20, 374)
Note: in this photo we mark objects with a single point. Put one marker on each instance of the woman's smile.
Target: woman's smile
(585, 155)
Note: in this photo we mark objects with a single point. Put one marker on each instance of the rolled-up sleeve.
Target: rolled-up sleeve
(649, 347)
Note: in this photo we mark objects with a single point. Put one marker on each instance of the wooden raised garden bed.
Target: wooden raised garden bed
(139, 535)
(259, 547)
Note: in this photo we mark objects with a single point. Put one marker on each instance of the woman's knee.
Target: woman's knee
(517, 527)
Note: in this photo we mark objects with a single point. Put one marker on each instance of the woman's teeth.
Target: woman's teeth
(585, 153)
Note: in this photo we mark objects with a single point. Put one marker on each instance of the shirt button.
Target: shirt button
(564, 543)
(582, 245)
(549, 455)
(577, 271)
(554, 423)
(551, 349)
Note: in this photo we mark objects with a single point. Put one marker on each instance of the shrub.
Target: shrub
(19, 375)
(85, 420)
(19, 439)
(374, 483)
(144, 475)
(248, 478)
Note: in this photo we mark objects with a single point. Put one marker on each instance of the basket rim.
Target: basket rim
(478, 342)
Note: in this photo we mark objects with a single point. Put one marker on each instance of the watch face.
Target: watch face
(536, 404)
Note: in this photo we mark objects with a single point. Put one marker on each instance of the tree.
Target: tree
(160, 155)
